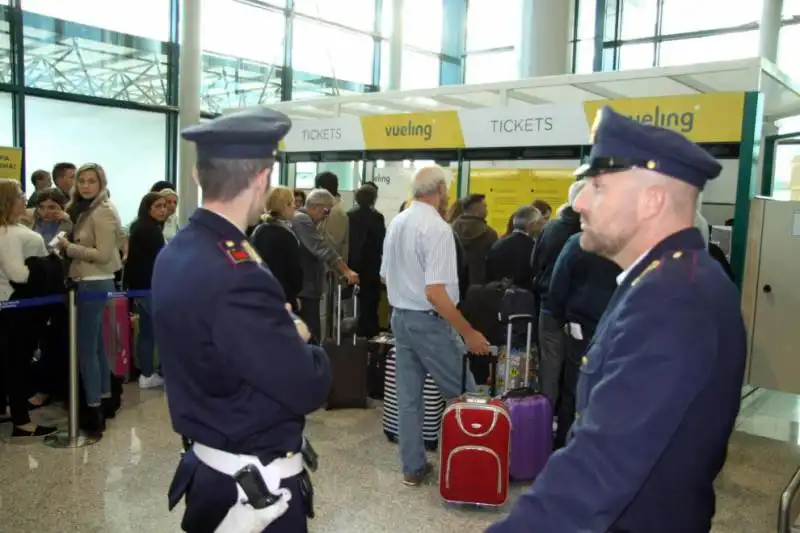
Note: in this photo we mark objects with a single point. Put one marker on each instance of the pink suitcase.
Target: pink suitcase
(117, 335)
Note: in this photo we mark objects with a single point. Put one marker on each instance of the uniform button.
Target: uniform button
(677, 255)
(577, 415)
(585, 360)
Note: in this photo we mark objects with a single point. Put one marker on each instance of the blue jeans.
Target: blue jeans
(95, 370)
(424, 344)
(146, 341)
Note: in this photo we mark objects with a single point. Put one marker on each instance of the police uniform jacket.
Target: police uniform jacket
(240, 377)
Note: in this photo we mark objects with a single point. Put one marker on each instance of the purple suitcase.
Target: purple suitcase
(531, 417)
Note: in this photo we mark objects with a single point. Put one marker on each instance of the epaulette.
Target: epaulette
(656, 263)
(242, 252)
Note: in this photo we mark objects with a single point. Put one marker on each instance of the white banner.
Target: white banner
(331, 135)
(541, 125)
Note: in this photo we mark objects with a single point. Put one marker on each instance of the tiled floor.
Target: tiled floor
(119, 484)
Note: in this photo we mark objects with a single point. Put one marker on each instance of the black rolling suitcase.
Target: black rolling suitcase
(348, 357)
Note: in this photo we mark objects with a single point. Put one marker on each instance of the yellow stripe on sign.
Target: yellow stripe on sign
(703, 118)
(10, 163)
(412, 131)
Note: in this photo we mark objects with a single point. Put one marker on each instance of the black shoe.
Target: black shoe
(110, 407)
(38, 433)
(93, 422)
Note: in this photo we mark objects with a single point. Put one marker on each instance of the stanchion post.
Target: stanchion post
(72, 438)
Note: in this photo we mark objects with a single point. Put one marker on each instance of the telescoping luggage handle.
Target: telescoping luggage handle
(339, 313)
(518, 318)
(493, 358)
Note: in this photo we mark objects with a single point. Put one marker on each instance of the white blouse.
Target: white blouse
(17, 243)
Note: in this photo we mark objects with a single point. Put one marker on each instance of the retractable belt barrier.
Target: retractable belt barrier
(72, 438)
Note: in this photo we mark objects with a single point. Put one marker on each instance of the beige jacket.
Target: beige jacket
(96, 242)
(337, 228)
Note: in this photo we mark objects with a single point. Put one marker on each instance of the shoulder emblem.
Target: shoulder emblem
(241, 252)
(652, 266)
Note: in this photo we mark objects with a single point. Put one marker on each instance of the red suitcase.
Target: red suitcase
(475, 451)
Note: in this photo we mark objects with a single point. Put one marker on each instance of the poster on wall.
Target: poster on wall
(394, 188)
(508, 189)
(10, 163)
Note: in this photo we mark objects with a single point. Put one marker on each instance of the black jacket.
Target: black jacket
(278, 246)
(510, 258)
(548, 247)
(581, 285)
(145, 241)
(463, 268)
(367, 231)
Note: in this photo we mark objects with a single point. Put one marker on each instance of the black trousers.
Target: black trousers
(209, 495)
(52, 371)
(574, 351)
(310, 314)
(18, 341)
(369, 299)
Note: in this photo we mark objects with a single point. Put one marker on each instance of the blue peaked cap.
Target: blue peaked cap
(247, 134)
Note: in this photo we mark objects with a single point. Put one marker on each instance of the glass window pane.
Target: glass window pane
(233, 83)
(95, 136)
(5, 48)
(638, 19)
(483, 19)
(304, 174)
(63, 57)
(6, 120)
(420, 71)
(788, 44)
(584, 56)
(422, 24)
(787, 158)
(633, 56)
(692, 15)
(491, 67)
(706, 49)
(144, 18)
(386, 61)
(791, 8)
(359, 14)
(586, 19)
(240, 30)
(332, 52)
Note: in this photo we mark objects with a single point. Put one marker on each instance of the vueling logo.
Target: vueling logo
(682, 121)
(424, 131)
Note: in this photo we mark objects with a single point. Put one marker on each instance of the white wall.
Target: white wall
(129, 145)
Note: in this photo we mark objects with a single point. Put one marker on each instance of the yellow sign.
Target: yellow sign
(706, 118)
(412, 131)
(508, 189)
(11, 163)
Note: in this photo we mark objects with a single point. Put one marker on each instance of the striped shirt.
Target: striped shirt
(419, 250)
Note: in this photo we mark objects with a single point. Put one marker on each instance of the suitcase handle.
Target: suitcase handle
(493, 358)
(527, 355)
(339, 313)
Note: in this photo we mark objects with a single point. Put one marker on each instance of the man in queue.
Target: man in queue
(420, 270)
(241, 376)
(659, 387)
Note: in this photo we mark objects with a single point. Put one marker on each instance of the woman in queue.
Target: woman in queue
(166, 189)
(17, 338)
(92, 250)
(145, 240)
(277, 244)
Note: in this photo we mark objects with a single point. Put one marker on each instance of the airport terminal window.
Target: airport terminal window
(243, 31)
(483, 20)
(6, 120)
(304, 173)
(586, 19)
(491, 67)
(133, 156)
(5, 57)
(730, 46)
(420, 71)
(789, 42)
(143, 18)
(99, 64)
(386, 62)
(584, 56)
(358, 14)
(791, 8)
(680, 16)
(332, 52)
(638, 19)
(422, 24)
(635, 56)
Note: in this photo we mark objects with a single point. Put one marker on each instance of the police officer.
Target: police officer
(241, 377)
(660, 384)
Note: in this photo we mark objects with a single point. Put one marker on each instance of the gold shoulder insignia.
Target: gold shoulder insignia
(251, 251)
(677, 255)
(236, 253)
(652, 266)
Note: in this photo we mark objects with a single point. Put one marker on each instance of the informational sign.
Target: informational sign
(509, 189)
(328, 135)
(10, 163)
(412, 131)
(541, 125)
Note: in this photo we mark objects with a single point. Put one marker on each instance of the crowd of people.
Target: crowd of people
(69, 234)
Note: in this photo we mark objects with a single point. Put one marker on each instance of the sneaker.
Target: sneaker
(415, 480)
(38, 433)
(151, 382)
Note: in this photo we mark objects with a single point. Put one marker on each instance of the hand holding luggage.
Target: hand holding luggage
(348, 361)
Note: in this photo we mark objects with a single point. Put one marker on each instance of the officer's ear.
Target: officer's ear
(261, 180)
(194, 176)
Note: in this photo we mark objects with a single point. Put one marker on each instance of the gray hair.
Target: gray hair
(320, 197)
(574, 190)
(525, 216)
(427, 181)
